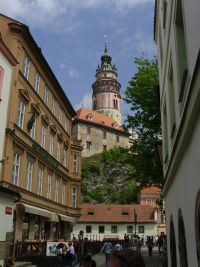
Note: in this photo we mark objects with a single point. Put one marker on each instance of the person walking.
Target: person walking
(150, 245)
(107, 249)
(117, 247)
(72, 254)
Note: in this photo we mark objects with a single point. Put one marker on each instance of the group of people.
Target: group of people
(117, 256)
(66, 253)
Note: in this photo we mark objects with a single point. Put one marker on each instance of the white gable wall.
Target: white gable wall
(149, 229)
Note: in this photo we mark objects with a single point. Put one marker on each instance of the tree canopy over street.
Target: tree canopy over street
(142, 95)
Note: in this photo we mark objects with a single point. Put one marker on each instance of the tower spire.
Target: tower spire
(105, 43)
(106, 88)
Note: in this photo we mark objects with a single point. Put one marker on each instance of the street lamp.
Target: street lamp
(135, 220)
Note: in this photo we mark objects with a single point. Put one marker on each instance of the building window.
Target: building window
(1, 80)
(29, 175)
(148, 201)
(43, 135)
(26, 67)
(141, 229)
(88, 144)
(117, 138)
(65, 157)
(54, 105)
(58, 151)
(46, 95)
(113, 229)
(15, 170)
(181, 47)
(88, 130)
(66, 126)
(129, 229)
(63, 193)
(60, 116)
(101, 229)
(40, 181)
(172, 244)
(160, 46)
(56, 190)
(32, 130)
(74, 197)
(88, 229)
(25, 226)
(182, 241)
(49, 187)
(164, 13)
(37, 82)
(104, 147)
(21, 114)
(104, 135)
(165, 135)
(51, 143)
(75, 163)
(172, 114)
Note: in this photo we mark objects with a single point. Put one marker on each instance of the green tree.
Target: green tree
(142, 95)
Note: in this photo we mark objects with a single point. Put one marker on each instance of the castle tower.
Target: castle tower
(106, 94)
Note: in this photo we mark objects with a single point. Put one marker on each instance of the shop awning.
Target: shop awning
(67, 218)
(52, 216)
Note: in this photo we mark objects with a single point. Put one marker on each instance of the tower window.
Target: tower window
(88, 144)
(88, 130)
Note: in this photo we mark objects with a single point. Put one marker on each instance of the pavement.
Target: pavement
(151, 261)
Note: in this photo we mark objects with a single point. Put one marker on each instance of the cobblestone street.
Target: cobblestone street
(153, 261)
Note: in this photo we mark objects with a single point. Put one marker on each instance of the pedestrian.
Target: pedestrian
(107, 249)
(138, 244)
(150, 245)
(126, 258)
(59, 253)
(117, 247)
(160, 243)
(72, 254)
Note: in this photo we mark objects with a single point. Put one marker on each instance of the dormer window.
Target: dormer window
(124, 212)
(90, 212)
(89, 116)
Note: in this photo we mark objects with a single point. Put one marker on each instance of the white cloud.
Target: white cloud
(73, 73)
(86, 102)
(140, 42)
(62, 66)
(59, 15)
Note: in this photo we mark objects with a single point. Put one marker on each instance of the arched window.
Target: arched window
(182, 241)
(197, 227)
(172, 244)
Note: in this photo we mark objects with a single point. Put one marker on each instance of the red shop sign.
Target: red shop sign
(8, 210)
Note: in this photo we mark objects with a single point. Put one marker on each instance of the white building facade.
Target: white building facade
(113, 221)
(178, 39)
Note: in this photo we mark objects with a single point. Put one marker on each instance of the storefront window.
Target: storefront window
(25, 226)
(37, 228)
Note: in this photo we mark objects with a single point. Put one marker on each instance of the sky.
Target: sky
(71, 34)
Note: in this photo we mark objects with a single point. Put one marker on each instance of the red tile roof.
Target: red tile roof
(113, 213)
(92, 116)
(153, 190)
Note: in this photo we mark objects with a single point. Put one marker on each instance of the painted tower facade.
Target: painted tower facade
(106, 89)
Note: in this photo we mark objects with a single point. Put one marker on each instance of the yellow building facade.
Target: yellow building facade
(40, 159)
